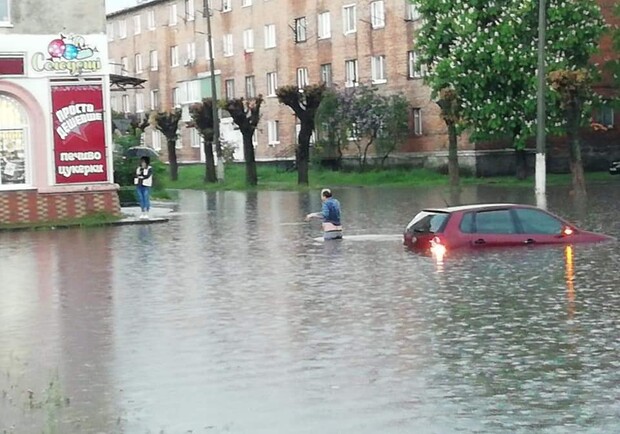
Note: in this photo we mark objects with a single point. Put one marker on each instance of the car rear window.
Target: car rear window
(428, 222)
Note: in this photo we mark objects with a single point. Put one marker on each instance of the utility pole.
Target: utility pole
(216, 119)
(541, 169)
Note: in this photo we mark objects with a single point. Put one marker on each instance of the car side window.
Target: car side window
(495, 222)
(467, 223)
(538, 222)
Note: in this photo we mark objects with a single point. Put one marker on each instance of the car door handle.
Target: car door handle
(479, 242)
(529, 241)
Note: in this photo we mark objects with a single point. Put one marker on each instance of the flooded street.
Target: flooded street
(233, 318)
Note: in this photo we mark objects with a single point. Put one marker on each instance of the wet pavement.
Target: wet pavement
(233, 318)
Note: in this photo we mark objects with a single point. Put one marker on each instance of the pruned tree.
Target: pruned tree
(202, 119)
(246, 115)
(304, 103)
(450, 105)
(331, 129)
(168, 124)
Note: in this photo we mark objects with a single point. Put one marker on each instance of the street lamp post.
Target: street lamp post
(541, 170)
(216, 120)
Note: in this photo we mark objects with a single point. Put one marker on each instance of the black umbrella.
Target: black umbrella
(141, 151)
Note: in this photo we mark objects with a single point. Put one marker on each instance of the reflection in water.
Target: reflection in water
(229, 319)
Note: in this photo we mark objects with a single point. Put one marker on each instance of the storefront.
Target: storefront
(55, 133)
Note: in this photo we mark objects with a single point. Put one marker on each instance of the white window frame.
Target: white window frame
(174, 17)
(137, 24)
(190, 10)
(246, 3)
(248, 40)
(195, 138)
(302, 77)
(22, 126)
(174, 56)
(150, 17)
(351, 66)
(109, 31)
(377, 68)
(114, 103)
(413, 70)
(226, 5)
(122, 29)
(417, 121)
(137, 63)
(604, 111)
(324, 68)
(191, 53)
(139, 102)
(301, 30)
(272, 83)
(153, 60)
(377, 14)
(270, 36)
(412, 11)
(324, 25)
(176, 97)
(229, 88)
(250, 84)
(156, 139)
(349, 18)
(154, 99)
(178, 144)
(124, 65)
(126, 103)
(273, 133)
(228, 47)
(6, 21)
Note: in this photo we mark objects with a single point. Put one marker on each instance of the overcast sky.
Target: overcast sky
(114, 5)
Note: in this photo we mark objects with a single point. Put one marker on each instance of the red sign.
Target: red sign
(79, 134)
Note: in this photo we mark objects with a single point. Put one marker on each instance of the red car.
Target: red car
(491, 225)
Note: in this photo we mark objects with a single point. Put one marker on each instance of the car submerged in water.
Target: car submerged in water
(491, 225)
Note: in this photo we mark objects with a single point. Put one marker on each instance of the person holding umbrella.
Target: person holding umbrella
(144, 182)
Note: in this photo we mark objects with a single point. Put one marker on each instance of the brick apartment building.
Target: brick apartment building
(262, 44)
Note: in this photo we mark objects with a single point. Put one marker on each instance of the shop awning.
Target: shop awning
(123, 82)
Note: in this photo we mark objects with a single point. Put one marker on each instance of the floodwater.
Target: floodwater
(233, 318)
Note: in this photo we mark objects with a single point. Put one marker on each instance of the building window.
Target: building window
(270, 36)
(122, 29)
(412, 11)
(191, 53)
(326, 74)
(139, 102)
(126, 108)
(302, 77)
(325, 25)
(250, 87)
(229, 85)
(245, 3)
(124, 66)
(349, 19)
(248, 40)
(378, 69)
(153, 60)
(416, 114)
(195, 138)
(114, 103)
(174, 56)
(208, 46)
(414, 69)
(109, 28)
(377, 14)
(227, 47)
(176, 97)
(138, 63)
(13, 141)
(226, 5)
(5, 12)
(272, 83)
(273, 132)
(301, 30)
(156, 140)
(137, 24)
(350, 73)
(151, 19)
(155, 99)
(605, 116)
(179, 141)
(190, 10)
(173, 14)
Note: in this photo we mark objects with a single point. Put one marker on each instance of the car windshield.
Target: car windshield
(427, 222)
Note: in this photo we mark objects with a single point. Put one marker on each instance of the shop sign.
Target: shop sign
(79, 134)
(68, 55)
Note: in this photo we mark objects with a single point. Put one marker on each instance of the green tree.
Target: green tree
(246, 115)
(202, 119)
(394, 126)
(304, 103)
(168, 124)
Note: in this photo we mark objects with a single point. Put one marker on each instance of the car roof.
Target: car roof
(476, 207)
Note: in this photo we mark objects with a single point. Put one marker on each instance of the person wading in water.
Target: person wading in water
(330, 214)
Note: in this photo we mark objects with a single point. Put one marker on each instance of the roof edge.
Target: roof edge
(135, 8)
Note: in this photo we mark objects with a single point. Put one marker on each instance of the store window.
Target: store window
(13, 142)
